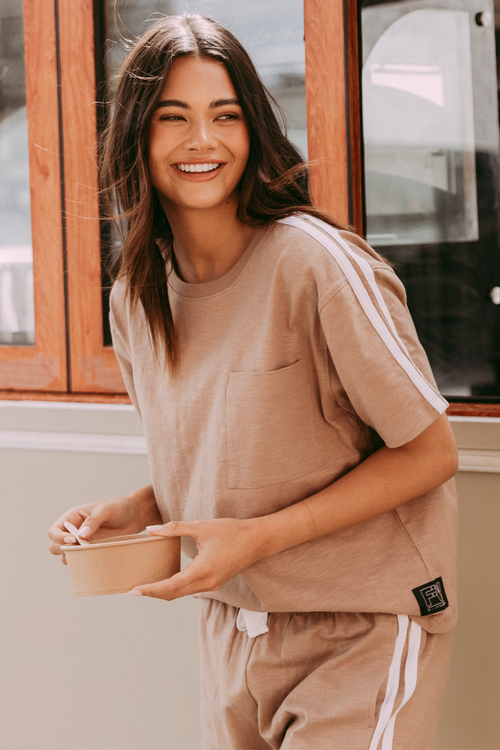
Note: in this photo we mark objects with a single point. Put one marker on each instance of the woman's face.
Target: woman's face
(198, 141)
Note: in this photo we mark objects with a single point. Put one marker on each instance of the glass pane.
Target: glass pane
(430, 121)
(17, 318)
(420, 160)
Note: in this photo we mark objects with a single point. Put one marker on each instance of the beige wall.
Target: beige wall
(471, 714)
(120, 672)
(100, 673)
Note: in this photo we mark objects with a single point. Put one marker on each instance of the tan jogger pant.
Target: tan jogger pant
(320, 681)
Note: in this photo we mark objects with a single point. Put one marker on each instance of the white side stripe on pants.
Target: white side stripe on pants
(387, 717)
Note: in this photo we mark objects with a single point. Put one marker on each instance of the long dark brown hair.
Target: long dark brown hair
(275, 183)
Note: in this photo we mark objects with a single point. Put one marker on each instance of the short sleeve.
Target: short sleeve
(377, 360)
(119, 333)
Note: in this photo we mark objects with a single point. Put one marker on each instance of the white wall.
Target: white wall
(470, 719)
(101, 673)
(120, 672)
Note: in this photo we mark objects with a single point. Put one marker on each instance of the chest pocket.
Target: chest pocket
(270, 433)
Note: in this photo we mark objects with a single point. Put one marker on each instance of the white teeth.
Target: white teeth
(198, 167)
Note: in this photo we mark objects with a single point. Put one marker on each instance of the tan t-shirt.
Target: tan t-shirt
(294, 366)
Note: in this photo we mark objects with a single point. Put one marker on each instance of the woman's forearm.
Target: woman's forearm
(385, 480)
(146, 505)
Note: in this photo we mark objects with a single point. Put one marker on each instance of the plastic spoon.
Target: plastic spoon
(73, 530)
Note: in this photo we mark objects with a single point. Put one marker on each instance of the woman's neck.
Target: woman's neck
(207, 243)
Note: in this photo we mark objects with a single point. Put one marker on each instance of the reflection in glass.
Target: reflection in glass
(419, 131)
(430, 120)
(17, 319)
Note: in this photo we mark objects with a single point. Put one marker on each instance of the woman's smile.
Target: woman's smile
(199, 171)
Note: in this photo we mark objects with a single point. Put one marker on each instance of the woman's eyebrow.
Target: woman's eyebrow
(184, 105)
(223, 103)
(172, 103)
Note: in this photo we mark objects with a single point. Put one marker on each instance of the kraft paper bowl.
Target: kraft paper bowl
(117, 564)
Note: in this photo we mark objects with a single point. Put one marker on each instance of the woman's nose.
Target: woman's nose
(200, 136)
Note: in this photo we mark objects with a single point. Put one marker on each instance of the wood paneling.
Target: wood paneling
(325, 98)
(44, 364)
(94, 367)
(333, 107)
(87, 398)
(473, 410)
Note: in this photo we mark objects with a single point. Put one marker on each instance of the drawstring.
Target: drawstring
(255, 623)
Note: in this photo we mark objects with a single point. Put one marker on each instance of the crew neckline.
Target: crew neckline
(207, 288)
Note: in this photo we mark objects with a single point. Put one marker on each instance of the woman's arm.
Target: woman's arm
(386, 479)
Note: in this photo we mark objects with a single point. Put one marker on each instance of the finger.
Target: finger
(181, 584)
(58, 531)
(175, 528)
(166, 592)
(55, 549)
(100, 514)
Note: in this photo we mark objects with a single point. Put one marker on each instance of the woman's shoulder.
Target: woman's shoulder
(314, 239)
(316, 252)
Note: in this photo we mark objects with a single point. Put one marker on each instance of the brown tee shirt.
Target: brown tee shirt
(294, 366)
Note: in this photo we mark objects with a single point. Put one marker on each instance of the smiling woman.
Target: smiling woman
(294, 429)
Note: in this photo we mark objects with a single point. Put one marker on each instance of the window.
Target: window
(307, 52)
(69, 354)
(431, 161)
(32, 343)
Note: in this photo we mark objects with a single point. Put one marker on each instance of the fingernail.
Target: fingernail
(135, 593)
(154, 528)
(69, 540)
(84, 531)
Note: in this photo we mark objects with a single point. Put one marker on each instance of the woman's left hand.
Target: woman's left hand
(226, 546)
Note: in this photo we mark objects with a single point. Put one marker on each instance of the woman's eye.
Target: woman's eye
(171, 118)
(228, 116)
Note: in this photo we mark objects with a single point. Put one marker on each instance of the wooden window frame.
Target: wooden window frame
(93, 366)
(43, 365)
(333, 98)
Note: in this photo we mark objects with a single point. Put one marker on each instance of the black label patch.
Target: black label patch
(431, 597)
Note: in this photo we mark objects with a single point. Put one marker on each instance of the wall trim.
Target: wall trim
(73, 441)
(485, 461)
(67, 405)
(476, 420)
(482, 460)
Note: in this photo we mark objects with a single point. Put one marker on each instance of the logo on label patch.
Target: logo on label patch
(431, 597)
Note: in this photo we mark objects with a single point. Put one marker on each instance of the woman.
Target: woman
(296, 437)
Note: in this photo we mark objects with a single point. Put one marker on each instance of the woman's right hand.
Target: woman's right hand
(114, 517)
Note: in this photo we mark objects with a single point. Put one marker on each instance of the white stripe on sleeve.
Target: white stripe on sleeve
(390, 339)
(366, 270)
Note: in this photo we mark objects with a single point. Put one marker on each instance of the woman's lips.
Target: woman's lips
(199, 176)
